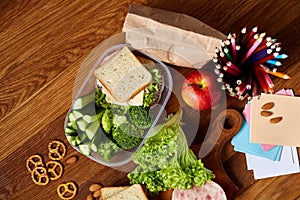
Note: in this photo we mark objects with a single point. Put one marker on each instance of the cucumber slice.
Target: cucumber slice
(81, 124)
(92, 129)
(85, 149)
(90, 118)
(83, 101)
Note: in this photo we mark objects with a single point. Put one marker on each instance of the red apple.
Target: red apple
(200, 90)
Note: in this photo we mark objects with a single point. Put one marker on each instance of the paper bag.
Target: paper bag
(171, 37)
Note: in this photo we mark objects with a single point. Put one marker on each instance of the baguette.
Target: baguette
(123, 76)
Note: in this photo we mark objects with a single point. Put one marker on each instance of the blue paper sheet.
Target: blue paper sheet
(241, 143)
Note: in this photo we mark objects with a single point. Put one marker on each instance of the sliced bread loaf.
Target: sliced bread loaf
(123, 75)
(107, 192)
(134, 192)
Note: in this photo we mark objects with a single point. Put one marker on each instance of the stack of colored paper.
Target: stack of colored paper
(264, 158)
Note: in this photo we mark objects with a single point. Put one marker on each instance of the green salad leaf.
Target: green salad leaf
(166, 162)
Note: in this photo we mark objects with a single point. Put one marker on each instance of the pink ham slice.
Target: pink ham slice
(209, 191)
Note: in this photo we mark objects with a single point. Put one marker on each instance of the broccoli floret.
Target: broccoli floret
(107, 149)
(100, 100)
(107, 121)
(127, 136)
(119, 119)
(119, 109)
(140, 116)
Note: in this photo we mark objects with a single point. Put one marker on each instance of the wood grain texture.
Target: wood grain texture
(42, 46)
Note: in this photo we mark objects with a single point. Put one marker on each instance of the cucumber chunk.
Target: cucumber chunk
(81, 102)
(92, 129)
(95, 142)
(72, 140)
(73, 143)
(94, 147)
(77, 114)
(85, 149)
(70, 132)
(78, 140)
(81, 124)
(89, 109)
(72, 125)
(90, 118)
(72, 117)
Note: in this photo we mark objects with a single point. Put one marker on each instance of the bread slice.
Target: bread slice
(107, 192)
(123, 75)
(134, 192)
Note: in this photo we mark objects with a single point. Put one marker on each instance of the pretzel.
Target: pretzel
(67, 190)
(39, 176)
(57, 150)
(34, 161)
(54, 169)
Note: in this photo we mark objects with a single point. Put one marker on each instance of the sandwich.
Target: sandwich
(123, 76)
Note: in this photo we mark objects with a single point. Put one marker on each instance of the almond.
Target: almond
(266, 113)
(97, 193)
(89, 197)
(268, 106)
(72, 160)
(94, 187)
(275, 120)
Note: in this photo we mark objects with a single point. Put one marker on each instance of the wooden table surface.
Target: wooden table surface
(42, 46)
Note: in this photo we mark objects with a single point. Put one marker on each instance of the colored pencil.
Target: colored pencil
(261, 54)
(245, 61)
(264, 59)
(282, 56)
(274, 62)
(275, 73)
(233, 47)
(233, 67)
(252, 48)
(250, 35)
